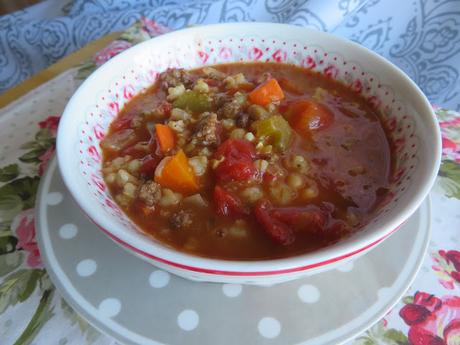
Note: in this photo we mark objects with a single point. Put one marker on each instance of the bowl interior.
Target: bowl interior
(405, 111)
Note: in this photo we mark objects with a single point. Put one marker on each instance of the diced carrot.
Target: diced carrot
(270, 91)
(175, 173)
(165, 136)
(308, 116)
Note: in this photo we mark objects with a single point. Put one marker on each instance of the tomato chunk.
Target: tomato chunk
(227, 204)
(309, 218)
(236, 149)
(309, 116)
(238, 161)
(149, 164)
(277, 230)
(230, 170)
(122, 122)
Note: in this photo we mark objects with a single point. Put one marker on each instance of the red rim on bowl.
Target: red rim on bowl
(77, 109)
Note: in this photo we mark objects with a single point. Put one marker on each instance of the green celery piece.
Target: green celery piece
(277, 129)
(193, 101)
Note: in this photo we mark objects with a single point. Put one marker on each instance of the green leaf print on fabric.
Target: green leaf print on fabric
(408, 299)
(7, 244)
(9, 262)
(380, 335)
(32, 156)
(9, 172)
(44, 139)
(21, 191)
(42, 314)
(4, 226)
(90, 333)
(393, 336)
(10, 204)
(449, 178)
(18, 286)
(85, 69)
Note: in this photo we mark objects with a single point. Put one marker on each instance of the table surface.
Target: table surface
(422, 37)
(33, 312)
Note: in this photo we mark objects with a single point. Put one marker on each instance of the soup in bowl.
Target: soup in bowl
(249, 153)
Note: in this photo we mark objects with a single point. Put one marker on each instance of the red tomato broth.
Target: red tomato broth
(350, 160)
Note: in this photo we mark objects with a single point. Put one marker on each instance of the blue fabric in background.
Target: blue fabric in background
(420, 36)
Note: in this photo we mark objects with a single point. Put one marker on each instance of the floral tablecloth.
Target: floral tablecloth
(33, 312)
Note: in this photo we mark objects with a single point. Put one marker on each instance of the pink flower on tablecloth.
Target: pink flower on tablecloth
(24, 227)
(114, 48)
(153, 28)
(44, 158)
(450, 141)
(432, 320)
(51, 123)
(450, 149)
(447, 267)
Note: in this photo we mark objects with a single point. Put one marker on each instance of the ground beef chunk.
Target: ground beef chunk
(242, 120)
(181, 219)
(220, 99)
(173, 77)
(230, 109)
(206, 130)
(150, 193)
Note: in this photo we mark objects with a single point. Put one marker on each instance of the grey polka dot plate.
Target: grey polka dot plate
(136, 303)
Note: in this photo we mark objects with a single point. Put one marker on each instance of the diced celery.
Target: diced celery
(277, 129)
(193, 101)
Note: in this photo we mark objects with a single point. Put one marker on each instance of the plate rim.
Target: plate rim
(107, 329)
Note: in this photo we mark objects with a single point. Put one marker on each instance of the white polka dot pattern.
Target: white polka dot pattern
(232, 290)
(54, 198)
(308, 293)
(110, 307)
(86, 268)
(68, 231)
(145, 301)
(159, 279)
(188, 320)
(269, 327)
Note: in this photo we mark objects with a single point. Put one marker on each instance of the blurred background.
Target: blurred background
(9, 6)
(420, 36)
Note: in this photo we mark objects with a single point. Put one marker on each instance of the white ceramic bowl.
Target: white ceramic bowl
(408, 114)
